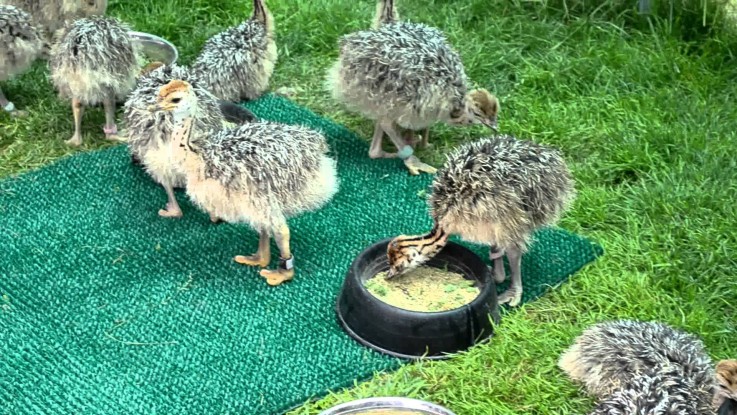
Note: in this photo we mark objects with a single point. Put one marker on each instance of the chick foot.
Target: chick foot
(381, 154)
(254, 260)
(415, 166)
(76, 140)
(287, 92)
(116, 135)
(262, 257)
(277, 277)
(512, 296)
(171, 211)
(19, 114)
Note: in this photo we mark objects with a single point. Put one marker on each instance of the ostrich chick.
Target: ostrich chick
(149, 133)
(237, 63)
(495, 191)
(607, 355)
(20, 45)
(406, 75)
(260, 173)
(94, 60)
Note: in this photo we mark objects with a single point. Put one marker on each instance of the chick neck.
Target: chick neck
(429, 244)
(261, 14)
(385, 13)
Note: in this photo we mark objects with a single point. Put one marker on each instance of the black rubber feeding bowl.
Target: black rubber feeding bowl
(413, 334)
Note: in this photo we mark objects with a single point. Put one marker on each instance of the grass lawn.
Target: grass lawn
(648, 128)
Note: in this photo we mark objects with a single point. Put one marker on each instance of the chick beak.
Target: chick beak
(491, 123)
(391, 273)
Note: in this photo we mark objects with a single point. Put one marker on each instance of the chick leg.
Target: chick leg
(78, 110)
(110, 129)
(285, 272)
(414, 165)
(262, 257)
(513, 295)
(425, 136)
(172, 207)
(497, 255)
(375, 151)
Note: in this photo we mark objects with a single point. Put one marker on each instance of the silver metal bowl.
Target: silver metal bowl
(379, 406)
(156, 48)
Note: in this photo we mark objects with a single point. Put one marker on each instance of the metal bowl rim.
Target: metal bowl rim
(387, 402)
(151, 36)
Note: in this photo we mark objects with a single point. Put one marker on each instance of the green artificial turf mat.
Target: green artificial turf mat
(107, 308)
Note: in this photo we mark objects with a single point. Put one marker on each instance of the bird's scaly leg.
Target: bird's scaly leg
(78, 111)
(172, 207)
(497, 255)
(425, 137)
(376, 151)
(262, 257)
(110, 129)
(414, 165)
(513, 295)
(285, 272)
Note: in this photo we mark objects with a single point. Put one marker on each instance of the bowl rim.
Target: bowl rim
(380, 402)
(140, 35)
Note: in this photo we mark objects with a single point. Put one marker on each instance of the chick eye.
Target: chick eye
(176, 100)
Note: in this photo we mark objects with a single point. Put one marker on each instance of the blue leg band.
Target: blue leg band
(405, 153)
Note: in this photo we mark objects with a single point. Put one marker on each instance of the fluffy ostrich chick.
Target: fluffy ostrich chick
(94, 60)
(405, 75)
(607, 355)
(639, 367)
(21, 43)
(237, 63)
(260, 173)
(149, 134)
(494, 191)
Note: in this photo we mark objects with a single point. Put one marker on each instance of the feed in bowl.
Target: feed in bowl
(424, 289)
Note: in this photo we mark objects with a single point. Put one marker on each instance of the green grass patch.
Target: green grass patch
(645, 115)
